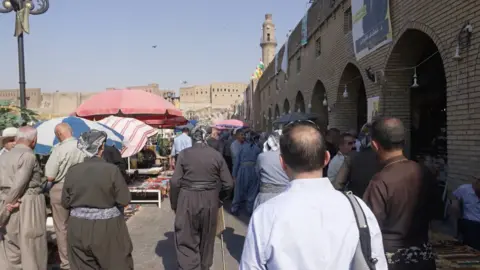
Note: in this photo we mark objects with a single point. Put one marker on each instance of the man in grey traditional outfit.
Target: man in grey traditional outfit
(201, 179)
(97, 234)
(273, 179)
(25, 243)
(64, 155)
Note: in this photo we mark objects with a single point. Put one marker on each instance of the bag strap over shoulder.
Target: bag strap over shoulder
(364, 232)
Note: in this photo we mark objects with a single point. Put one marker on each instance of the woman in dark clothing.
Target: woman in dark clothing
(97, 234)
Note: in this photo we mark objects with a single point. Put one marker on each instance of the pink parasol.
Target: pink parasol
(230, 123)
(132, 103)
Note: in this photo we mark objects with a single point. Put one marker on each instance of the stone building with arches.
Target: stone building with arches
(431, 41)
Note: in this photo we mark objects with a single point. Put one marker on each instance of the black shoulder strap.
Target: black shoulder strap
(364, 231)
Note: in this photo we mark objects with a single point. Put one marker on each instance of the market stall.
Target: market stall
(153, 190)
(148, 180)
(451, 254)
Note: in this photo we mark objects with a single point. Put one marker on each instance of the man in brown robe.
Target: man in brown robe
(25, 243)
(401, 197)
(201, 179)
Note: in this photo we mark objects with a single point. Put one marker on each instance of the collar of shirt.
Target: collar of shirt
(22, 146)
(393, 160)
(311, 184)
(67, 140)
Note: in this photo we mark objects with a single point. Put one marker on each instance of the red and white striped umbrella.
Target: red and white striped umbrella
(135, 133)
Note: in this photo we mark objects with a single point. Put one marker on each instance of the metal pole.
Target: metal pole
(21, 70)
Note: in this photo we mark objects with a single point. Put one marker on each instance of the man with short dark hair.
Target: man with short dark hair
(400, 196)
(181, 142)
(345, 146)
(310, 226)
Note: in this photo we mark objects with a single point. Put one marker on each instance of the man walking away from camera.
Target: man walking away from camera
(200, 181)
(64, 155)
(181, 142)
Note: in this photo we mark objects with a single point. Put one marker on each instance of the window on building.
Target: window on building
(268, 36)
(299, 63)
(347, 21)
(318, 46)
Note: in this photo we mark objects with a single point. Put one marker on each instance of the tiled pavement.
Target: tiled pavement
(151, 230)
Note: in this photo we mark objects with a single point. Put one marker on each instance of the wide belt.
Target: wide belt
(198, 185)
(271, 188)
(247, 163)
(95, 213)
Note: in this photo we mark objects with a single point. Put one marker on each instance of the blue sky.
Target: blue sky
(94, 44)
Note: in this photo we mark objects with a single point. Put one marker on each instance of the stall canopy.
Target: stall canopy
(127, 103)
(134, 131)
(46, 137)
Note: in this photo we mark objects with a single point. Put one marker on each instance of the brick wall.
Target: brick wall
(415, 24)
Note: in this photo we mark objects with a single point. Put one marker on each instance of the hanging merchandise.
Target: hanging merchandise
(304, 39)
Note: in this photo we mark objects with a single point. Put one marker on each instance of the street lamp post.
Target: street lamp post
(22, 9)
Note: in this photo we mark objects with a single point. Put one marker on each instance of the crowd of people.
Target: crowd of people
(315, 201)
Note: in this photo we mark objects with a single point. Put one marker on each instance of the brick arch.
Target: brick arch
(277, 111)
(269, 119)
(286, 106)
(299, 102)
(349, 110)
(419, 26)
(396, 93)
(317, 104)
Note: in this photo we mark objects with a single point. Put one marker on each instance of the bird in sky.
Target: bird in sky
(183, 82)
(154, 46)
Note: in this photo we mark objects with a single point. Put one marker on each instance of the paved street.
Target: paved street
(151, 230)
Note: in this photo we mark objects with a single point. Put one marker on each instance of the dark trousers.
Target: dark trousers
(195, 228)
(229, 163)
(99, 244)
(470, 231)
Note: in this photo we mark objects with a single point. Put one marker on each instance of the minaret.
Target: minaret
(268, 41)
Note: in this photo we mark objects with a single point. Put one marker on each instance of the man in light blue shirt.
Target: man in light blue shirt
(310, 226)
(468, 202)
(180, 143)
(239, 135)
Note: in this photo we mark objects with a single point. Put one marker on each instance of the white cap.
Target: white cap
(9, 132)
